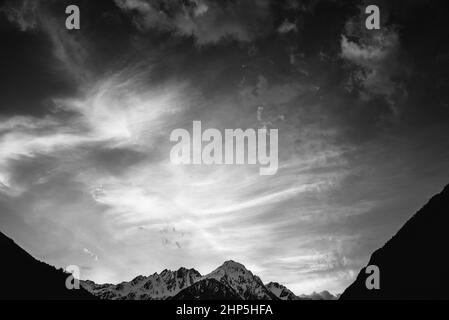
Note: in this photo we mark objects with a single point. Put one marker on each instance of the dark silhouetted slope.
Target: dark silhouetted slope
(23, 277)
(414, 263)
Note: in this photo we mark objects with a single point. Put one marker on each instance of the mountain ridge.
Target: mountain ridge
(230, 281)
(412, 266)
(154, 287)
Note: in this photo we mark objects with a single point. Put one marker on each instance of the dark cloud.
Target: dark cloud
(207, 21)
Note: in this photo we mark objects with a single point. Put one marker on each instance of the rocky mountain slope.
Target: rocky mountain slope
(230, 281)
(235, 276)
(154, 287)
(207, 289)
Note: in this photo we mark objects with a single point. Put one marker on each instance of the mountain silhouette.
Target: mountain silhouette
(26, 278)
(207, 289)
(29, 279)
(154, 287)
(230, 281)
(242, 281)
(412, 265)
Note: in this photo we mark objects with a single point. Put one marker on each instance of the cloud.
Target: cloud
(207, 21)
(88, 252)
(24, 13)
(111, 120)
(70, 50)
(379, 61)
(377, 56)
(287, 27)
(116, 108)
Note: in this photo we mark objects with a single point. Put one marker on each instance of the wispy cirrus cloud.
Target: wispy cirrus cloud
(24, 13)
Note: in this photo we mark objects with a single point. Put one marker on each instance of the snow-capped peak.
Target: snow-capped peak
(154, 287)
(230, 280)
(231, 264)
(229, 268)
(241, 280)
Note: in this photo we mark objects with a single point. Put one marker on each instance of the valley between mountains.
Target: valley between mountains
(230, 281)
(412, 265)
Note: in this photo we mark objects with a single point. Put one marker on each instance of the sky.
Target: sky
(86, 117)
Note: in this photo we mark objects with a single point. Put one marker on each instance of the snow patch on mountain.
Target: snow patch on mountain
(229, 281)
(154, 287)
(242, 281)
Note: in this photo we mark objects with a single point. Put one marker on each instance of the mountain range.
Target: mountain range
(412, 265)
(230, 281)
